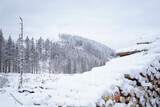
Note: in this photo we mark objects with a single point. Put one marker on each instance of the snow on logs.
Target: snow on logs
(140, 47)
(144, 91)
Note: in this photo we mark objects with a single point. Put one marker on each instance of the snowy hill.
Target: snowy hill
(128, 81)
(70, 54)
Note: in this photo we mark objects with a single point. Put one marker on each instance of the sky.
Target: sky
(115, 23)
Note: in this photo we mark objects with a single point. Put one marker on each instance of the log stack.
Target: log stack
(136, 49)
(137, 91)
(144, 91)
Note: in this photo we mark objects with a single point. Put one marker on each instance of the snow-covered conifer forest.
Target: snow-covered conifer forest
(70, 54)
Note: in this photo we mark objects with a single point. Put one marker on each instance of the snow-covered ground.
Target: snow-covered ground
(87, 89)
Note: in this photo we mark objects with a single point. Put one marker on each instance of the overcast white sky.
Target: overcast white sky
(116, 23)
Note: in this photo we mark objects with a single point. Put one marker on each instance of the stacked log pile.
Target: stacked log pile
(140, 91)
(133, 51)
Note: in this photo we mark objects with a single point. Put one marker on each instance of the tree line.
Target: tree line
(70, 54)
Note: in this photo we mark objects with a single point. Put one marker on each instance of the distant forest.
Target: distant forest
(70, 54)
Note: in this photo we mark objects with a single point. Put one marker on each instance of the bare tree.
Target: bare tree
(21, 53)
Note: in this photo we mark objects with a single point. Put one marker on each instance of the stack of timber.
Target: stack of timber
(144, 91)
(141, 90)
(141, 45)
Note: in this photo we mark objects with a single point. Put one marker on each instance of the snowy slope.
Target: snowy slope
(87, 89)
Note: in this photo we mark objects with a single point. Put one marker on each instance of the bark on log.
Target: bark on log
(110, 105)
(122, 99)
(111, 96)
(130, 52)
(139, 43)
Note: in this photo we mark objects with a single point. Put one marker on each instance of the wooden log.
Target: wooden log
(147, 80)
(154, 82)
(141, 88)
(124, 94)
(120, 89)
(150, 94)
(103, 105)
(130, 99)
(130, 52)
(106, 98)
(158, 81)
(150, 87)
(139, 43)
(127, 76)
(137, 96)
(145, 100)
(145, 95)
(111, 96)
(151, 77)
(155, 94)
(155, 87)
(131, 105)
(158, 91)
(131, 93)
(136, 100)
(117, 96)
(122, 99)
(143, 75)
(110, 105)
(100, 103)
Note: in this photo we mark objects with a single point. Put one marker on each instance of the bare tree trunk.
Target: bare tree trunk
(21, 53)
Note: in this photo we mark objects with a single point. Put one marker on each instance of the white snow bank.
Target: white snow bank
(149, 39)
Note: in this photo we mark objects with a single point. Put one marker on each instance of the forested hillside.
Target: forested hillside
(70, 54)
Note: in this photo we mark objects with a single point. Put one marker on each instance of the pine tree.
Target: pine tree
(27, 56)
(32, 56)
(39, 47)
(9, 55)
